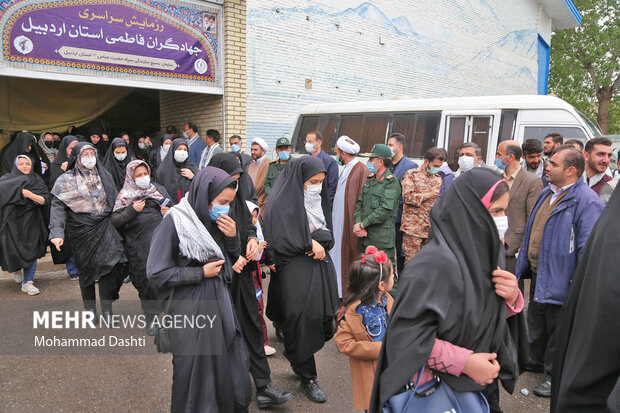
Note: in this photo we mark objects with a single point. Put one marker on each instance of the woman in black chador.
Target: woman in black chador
(81, 208)
(116, 160)
(242, 286)
(453, 294)
(191, 257)
(176, 171)
(586, 369)
(298, 229)
(24, 210)
(138, 210)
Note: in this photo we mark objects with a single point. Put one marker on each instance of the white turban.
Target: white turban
(348, 145)
(261, 142)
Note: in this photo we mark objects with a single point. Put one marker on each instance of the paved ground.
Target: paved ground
(105, 383)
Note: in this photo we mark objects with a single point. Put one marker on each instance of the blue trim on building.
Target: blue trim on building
(574, 10)
(544, 54)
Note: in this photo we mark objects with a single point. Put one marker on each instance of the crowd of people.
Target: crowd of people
(416, 271)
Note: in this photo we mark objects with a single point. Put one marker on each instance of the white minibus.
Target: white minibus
(444, 122)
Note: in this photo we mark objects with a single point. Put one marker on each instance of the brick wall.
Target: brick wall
(178, 108)
(235, 68)
(226, 114)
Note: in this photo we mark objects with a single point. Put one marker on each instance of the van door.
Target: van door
(481, 127)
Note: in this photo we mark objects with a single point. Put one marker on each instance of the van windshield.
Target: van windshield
(591, 125)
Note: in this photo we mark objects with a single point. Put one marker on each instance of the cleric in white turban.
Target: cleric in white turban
(261, 142)
(348, 145)
(348, 191)
(257, 169)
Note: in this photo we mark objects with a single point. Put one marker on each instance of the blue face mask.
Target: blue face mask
(433, 170)
(284, 155)
(371, 167)
(499, 164)
(218, 210)
(235, 148)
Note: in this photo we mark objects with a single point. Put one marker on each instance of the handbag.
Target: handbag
(162, 337)
(435, 397)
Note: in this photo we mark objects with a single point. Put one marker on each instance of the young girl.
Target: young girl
(257, 274)
(363, 318)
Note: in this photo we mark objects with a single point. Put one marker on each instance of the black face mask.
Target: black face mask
(56, 144)
(49, 144)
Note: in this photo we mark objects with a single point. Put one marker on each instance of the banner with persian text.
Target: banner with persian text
(145, 40)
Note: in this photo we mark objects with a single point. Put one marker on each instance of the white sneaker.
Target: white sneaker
(269, 351)
(18, 277)
(30, 288)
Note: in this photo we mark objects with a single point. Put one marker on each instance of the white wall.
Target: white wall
(431, 48)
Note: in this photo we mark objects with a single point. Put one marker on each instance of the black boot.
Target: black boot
(271, 396)
(544, 388)
(106, 313)
(279, 331)
(312, 390)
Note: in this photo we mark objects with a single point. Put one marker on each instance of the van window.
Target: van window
(539, 132)
(456, 137)
(420, 130)
(366, 130)
(326, 124)
(507, 126)
(480, 134)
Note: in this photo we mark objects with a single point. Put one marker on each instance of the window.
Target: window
(507, 125)
(366, 130)
(539, 132)
(456, 137)
(480, 134)
(420, 130)
(591, 125)
(326, 124)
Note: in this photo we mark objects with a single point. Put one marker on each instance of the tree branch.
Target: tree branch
(580, 53)
(615, 84)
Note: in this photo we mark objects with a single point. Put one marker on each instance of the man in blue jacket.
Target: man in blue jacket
(195, 145)
(555, 237)
(400, 165)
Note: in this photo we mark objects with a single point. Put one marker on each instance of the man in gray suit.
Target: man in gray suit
(212, 140)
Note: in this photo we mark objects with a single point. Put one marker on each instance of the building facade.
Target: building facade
(310, 51)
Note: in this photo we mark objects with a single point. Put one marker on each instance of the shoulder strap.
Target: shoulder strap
(167, 310)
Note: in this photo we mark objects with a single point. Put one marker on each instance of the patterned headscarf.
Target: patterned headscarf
(130, 192)
(82, 189)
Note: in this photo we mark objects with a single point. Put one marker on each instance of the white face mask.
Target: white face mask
(141, 145)
(120, 156)
(309, 147)
(143, 182)
(313, 189)
(180, 155)
(89, 163)
(502, 225)
(166, 147)
(185, 135)
(466, 163)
